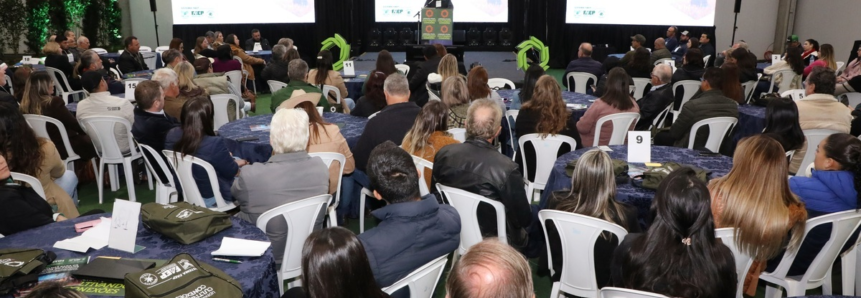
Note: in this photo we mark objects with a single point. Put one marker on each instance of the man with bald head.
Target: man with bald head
(660, 51)
(658, 98)
(490, 269)
(584, 63)
(83, 43)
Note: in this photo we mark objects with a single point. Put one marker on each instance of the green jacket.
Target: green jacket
(708, 104)
(283, 95)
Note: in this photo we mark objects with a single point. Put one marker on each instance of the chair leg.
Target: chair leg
(554, 292)
(333, 217)
(773, 292)
(280, 282)
(848, 262)
(112, 174)
(100, 182)
(361, 212)
(148, 177)
(130, 181)
(827, 288)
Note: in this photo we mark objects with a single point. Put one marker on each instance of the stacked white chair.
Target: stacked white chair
(622, 122)
(182, 165)
(581, 79)
(101, 131)
(812, 137)
(718, 128)
(421, 281)
(545, 156)
(328, 158)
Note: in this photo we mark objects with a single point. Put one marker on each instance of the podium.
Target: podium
(437, 24)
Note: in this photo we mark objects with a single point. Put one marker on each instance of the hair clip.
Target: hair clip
(686, 241)
(319, 57)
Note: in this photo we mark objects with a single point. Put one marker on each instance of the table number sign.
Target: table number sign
(124, 225)
(775, 58)
(349, 69)
(130, 89)
(639, 146)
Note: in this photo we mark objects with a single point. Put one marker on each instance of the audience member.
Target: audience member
(255, 38)
(196, 137)
(692, 68)
(767, 215)
(297, 70)
(6, 91)
(324, 74)
(592, 193)
(185, 81)
(660, 51)
(176, 44)
(373, 99)
(224, 62)
(682, 49)
(671, 42)
(792, 60)
(22, 76)
(826, 59)
(545, 114)
(54, 58)
(202, 49)
(637, 41)
(680, 244)
(639, 66)
(709, 103)
(286, 42)
(90, 61)
(609, 63)
(429, 134)
(819, 109)
(746, 62)
(289, 175)
(851, 85)
(781, 119)
(54, 289)
(657, 99)
(23, 208)
(694, 43)
(731, 87)
(583, 63)
(852, 69)
(219, 40)
(131, 59)
(392, 123)
(83, 43)
(792, 42)
(419, 76)
(214, 84)
(151, 123)
(69, 46)
(533, 73)
(276, 69)
(171, 58)
(475, 166)
(707, 48)
(490, 269)
(811, 51)
(455, 96)
(169, 82)
(476, 84)
(37, 157)
(210, 39)
(616, 99)
(248, 62)
(38, 99)
(101, 103)
(326, 137)
(440, 50)
(386, 63)
(292, 54)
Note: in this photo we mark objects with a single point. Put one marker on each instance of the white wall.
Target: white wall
(141, 22)
(756, 24)
(833, 21)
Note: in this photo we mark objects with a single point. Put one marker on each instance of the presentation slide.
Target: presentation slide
(190, 12)
(640, 12)
(465, 11)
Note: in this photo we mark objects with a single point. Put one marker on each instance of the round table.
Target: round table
(257, 276)
(265, 55)
(751, 121)
(259, 149)
(354, 85)
(628, 193)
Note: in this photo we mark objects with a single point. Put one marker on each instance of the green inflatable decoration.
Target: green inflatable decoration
(338, 41)
(532, 43)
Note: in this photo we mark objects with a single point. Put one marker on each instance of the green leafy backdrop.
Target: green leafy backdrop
(99, 20)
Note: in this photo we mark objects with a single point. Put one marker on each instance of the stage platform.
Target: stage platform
(498, 64)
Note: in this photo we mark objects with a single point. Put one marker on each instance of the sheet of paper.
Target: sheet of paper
(605, 149)
(81, 227)
(95, 237)
(236, 247)
(124, 225)
(257, 47)
(72, 244)
(27, 60)
(639, 146)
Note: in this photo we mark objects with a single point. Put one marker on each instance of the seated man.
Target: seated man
(101, 103)
(289, 175)
(255, 38)
(819, 109)
(171, 58)
(584, 63)
(169, 82)
(658, 98)
(419, 78)
(490, 269)
(637, 41)
(392, 122)
(151, 123)
(393, 248)
(660, 51)
(131, 59)
(5, 94)
(90, 61)
(83, 43)
(709, 104)
(276, 69)
(297, 70)
(475, 166)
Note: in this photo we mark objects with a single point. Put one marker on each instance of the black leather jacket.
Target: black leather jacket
(475, 166)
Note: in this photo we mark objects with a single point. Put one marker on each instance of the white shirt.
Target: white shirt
(103, 104)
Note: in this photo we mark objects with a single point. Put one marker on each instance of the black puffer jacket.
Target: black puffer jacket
(22, 210)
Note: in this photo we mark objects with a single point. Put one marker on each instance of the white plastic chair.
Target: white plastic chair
(101, 131)
(421, 165)
(432, 95)
(421, 281)
(500, 83)
(9, 85)
(300, 217)
(99, 50)
(819, 272)
(32, 181)
(403, 68)
(581, 79)
(852, 98)
(234, 77)
(640, 85)
(145, 49)
(39, 124)
(150, 59)
(660, 119)
(328, 158)
(663, 60)
(849, 262)
(748, 88)
(689, 87)
(275, 85)
(220, 103)
(182, 165)
(706, 60)
(622, 122)
(466, 204)
(458, 134)
(611, 292)
(794, 94)
(333, 89)
(165, 191)
(545, 156)
(578, 234)
(742, 260)
(63, 85)
(840, 65)
(245, 72)
(787, 77)
(718, 128)
(162, 49)
(511, 118)
(813, 137)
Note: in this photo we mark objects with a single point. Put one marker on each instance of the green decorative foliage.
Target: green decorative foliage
(340, 43)
(37, 24)
(100, 21)
(12, 12)
(75, 11)
(532, 44)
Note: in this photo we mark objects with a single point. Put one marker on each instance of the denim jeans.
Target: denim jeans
(69, 183)
(351, 189)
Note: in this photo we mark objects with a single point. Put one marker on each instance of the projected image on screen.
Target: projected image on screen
(639, 12)
(242, 12)
(465, 11)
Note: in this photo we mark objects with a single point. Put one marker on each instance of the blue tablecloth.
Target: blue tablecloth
(259, 150)
(751, 121)
(628, 193)
(143, 74)
(760, 67)
(569, 97)
(257, 276)
(354, 85)
(265, 55)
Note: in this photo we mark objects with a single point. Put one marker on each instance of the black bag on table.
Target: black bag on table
(653, 177)
(182, 276)
(184, 222)
(21, 267)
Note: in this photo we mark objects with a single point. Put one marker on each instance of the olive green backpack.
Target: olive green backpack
(653, 177)
(21, 266)
(182, 276)
(184, 222)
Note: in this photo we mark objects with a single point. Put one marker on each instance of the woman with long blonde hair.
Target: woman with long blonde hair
(447, 67)
(755, 199)
(429, 134)
(544, 114)
(826, 59)
(185, 74)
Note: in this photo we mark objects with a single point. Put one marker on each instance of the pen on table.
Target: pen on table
(227, 260)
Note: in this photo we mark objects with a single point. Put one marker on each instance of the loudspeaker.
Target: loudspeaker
(737, 6)
(152, 5)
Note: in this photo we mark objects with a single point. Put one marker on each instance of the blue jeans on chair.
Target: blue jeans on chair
(351, 189)
(69, 183)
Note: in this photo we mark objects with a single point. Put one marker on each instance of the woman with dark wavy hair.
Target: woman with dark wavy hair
(373, 99)
(678, 256)
(544, 114)
(781, 119)
(616, 99)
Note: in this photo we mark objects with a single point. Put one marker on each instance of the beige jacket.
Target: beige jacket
(819, 111)
(52, 168)
(335, 80)
(104, 104)
(331, 140)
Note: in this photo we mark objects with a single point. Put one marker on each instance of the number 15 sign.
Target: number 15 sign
(639, 146)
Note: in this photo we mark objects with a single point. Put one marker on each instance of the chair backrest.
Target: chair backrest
(220, 103)
(640, 85)
(162, 49)
(157, 161)
(852, 98)
(182, 165)
(660, 119)
(421, 281)
(742, 260)
(840, 65)
(150, 58)
(500, 83)
(581, 79)
(718, 127)
(300, 217)
(275, 85)
(32, 181)
(101, 130)
(787, 77)
(843, 224)
(813, 137)
(99, 50)
(545, 153)
(578, 234)
(795, 94)
(56, 75)
(622, 122)
(706, 60)
(458, 134)
(748, 88)
(39, 124)
(611, 292)
(432, 95)
(145, 49)
(689, 87)
(328, 89)
(466, 204)
(235, 78)
(403, 68)
(421, 165)
(511, 119)
(328, 158)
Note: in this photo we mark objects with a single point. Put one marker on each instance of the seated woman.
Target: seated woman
(826, 59)
(327, 137)
(616, 99)
(544, 114)
(746, 62)
(851, 70)
(767, 214)
(187, 87)
(37, 99)
(238, 51)
(290, 175)
(529, 79)
(176, 44)
(476, 83)
(385, 64)
(196, 137)
(447, 68)
(429, 134)
(592, 193)
(374, 99)
(224, 62)
(640, 65)
(23, 208)
(324, 74)
(692, 68)
(201, 47)
(791, 61)
(37, 157)
(19, 81)
(678, 256)
(455, 96)
(334, 264)
(54, 58)
(811, 51)
(731, 87)
(781, 119)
